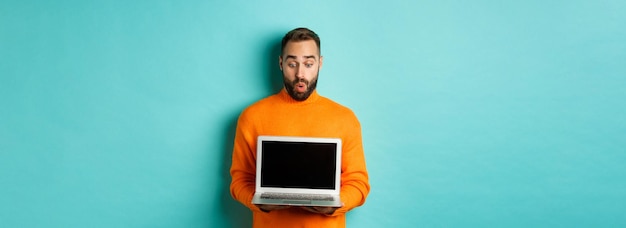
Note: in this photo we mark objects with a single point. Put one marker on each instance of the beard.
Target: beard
(290, 86)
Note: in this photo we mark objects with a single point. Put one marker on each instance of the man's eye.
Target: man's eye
(308, 65)
(291, 65)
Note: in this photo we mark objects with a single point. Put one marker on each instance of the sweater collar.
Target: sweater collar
(285, 97)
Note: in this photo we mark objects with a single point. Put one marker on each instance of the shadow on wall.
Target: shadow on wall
(236, 214)
(274, 75)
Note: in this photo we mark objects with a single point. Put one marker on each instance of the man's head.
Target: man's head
(300, 62)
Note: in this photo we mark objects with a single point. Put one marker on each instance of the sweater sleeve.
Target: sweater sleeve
(354, 177)
(243, 167)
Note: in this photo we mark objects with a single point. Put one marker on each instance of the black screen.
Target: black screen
(298, 165)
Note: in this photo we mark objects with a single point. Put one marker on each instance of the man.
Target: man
(298, 110)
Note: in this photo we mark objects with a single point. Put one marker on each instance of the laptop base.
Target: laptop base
(297, 202)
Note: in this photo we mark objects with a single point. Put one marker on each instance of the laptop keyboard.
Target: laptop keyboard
(297, 196)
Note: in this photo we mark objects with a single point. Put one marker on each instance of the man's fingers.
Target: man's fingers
(320, 210)
(266, 207)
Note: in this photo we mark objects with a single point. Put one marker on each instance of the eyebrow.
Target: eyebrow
(306, 57)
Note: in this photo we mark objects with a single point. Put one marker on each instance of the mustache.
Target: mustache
(296, 81)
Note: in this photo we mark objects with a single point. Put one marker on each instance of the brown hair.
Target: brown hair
(300, 34)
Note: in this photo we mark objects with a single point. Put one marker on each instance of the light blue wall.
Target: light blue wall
(474, 114)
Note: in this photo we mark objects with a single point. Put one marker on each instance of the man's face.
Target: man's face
(300, 64)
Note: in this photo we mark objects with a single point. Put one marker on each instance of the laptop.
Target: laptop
(298, 171)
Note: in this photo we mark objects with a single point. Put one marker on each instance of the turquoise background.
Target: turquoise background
(474, 114)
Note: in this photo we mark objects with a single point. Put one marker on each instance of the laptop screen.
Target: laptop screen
(298, 165)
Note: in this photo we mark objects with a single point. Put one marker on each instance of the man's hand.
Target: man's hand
(268, 208)
(321, 210)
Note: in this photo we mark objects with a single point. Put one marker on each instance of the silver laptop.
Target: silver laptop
(298, 171)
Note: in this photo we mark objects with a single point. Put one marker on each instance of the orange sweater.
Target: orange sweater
(317, 116)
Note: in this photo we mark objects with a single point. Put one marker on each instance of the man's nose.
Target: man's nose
(299, 72)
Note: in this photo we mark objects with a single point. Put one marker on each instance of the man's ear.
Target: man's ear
(321, 61)
(280, 63)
